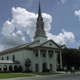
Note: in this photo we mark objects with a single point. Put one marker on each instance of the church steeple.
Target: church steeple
(39, 10)
(40, 33)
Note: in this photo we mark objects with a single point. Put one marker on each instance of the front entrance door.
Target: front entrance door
(44, 66)
(37, 67)
(50, 67)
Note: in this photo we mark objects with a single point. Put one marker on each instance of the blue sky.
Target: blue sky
(61, 18)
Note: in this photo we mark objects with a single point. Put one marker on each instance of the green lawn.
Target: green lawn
(13, 75)
(77, 70)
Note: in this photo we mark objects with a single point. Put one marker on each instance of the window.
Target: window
(7, 57)
(50, 44)
(43, 55)
(36, 54)
(50, 55)
(37, 26)
(2, 58)
(13, 58)
(42, 26)
(41, 19)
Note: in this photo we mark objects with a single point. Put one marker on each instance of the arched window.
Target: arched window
(7, 57)
(2, 58)
(37, 25)
(13, 58)
(41, 19)
(41, 26)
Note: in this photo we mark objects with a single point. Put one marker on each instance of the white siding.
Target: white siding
(42, 39)
(18, 56)
(48, 44)
(24, 54)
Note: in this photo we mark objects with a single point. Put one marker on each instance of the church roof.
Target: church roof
(8, 62)
(29, 46)
(18, 47)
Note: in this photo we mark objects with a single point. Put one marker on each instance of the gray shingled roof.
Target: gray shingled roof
(9, 62)
(27, 45)
(18, 47)
(6, 61)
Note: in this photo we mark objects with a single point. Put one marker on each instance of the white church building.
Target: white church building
(43, 53)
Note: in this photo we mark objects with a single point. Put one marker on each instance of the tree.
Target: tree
(27, 64)
(71, 57)
(79, 48)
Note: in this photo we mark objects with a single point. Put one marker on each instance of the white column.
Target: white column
(48, 66)
(40, 65)
(54, 64)
(7, 67)
(53, 61)
(60, 60)
(2, 69)
(12, 67)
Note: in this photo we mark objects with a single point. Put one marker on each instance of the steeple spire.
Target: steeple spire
(40, 32)
(39, 10)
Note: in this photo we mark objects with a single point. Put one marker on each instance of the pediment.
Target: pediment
(50, 44)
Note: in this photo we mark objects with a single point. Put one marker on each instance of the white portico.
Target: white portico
(47, 56)
(9, 65)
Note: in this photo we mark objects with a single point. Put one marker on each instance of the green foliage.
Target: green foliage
(79, 48)
(46, 70)
(27, 64)
(60, 69)
(12, 75)
(71, 57)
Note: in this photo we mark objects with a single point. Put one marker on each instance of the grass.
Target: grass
(13, 75)
(16, 75)
(77, 70)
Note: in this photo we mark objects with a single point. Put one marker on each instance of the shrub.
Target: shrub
(4, 71)
(60, 69)
(27, 71)
(46, 70)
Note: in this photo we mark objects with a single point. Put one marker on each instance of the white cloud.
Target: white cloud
(62, 38)
(13, 39)
(77, 13)
(1, 47)
(8, 27)
(63, 1)
(25, 21)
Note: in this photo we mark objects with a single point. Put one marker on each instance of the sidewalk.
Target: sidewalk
(63, 72)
